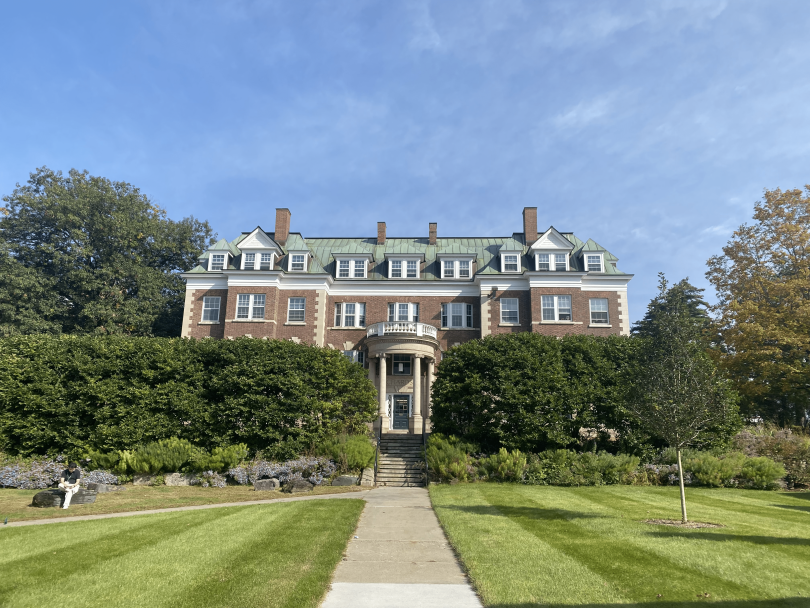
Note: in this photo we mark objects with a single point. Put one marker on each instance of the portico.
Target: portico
(402, 357)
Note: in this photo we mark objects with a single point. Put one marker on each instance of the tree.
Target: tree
(678, 395)
(683, 294)
(88, 255)
(763, 288)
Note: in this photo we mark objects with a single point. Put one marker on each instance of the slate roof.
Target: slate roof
(485, 250)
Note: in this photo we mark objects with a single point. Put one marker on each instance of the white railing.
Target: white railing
(401, 327)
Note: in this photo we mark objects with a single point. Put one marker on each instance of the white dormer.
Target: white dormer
(352, 265)
(510, 260)
(552, 252)
(259, 251)
(404, 265)
(593, 261)
(298, 260)
(218, 260)
(456, 266)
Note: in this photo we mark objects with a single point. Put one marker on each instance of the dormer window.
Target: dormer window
(298, 262)
(352, 269)
(266, 261)
(510, 262)
(593, 262)
(403, 269)
(543, 262)
(552, 261)
(560, 262)
(456, 269)
(217, 261)
(249, 261)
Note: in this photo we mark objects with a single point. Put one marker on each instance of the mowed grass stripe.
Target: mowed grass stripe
(724, 552)
(601, 543)
(751, 562)
(495, 548)
(240, 556)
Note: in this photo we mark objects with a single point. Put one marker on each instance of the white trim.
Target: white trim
(552, 240)
(467, 316)
(601, 256)
(556, 309)
(356, 315)
(518, 257)
(403, 260)
(219, 252)
(456, 260)
(304, 310)
(501, 311)
(591, 311)
(252, 298)
(218, 309)
(290, 255)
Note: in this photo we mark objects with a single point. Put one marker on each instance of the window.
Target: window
(296, 309)
(599, 311)
(267, 261)
(456, 269)
(350, 314)
(401, 365)
(594, 263)
(464, 269)
(358, 356)
(560, 262)
(556, 308)
(250, 306)
(343, 269)
(457, 315)
(217, 261)
(211, 309)
(396, 269)
(510, 262)
(403, 269)
(542, 261)
(359, 269)
(250, 261)
(448, 269)
(297, 262)
(403, 312)
(509, 310)
(412, 269)
(352, 269)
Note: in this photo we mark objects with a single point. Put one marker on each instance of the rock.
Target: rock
(345, 480)
(265, 485)
(367, 479)
(180, 479)
(54, 498)
(100, 488)
(142, 480)
(298, 486)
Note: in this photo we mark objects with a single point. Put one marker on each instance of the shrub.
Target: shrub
(505, 466)
(100, 476)
(761, 473)
(448, 459)
(784, 446)
(314, 470)
(211, 479)
(349, 452)
(34, 474)
(713, 471)
(219, 459)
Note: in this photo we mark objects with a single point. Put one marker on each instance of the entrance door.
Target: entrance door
(401, 412)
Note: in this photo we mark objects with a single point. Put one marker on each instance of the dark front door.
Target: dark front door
(401, 412)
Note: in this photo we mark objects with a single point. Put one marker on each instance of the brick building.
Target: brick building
(396, 304)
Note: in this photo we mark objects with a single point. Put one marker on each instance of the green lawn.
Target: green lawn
(252, 556)
(550, 546)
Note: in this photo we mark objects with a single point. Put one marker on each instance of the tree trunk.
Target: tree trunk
(683, 492)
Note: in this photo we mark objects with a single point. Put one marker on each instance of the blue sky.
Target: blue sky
(652, 127)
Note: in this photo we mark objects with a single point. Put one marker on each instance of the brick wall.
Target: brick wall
(265, 328)
(524, 312)
(207, 330)
(303, 333)
(580, 312)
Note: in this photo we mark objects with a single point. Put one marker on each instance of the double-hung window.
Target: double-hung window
(509, 311)
(350, 314)
(403, 269)
(352, 269)
(456, 269)
(560, 262)
(510, 262)
(396, 269)
(211, 309)
(250, 306)
(464, 269)
(267, 262)
(344, 268)
(402, 311)
(411, 269)
(250, 261)
(217, 261)
(359, 269)
(542, 261)
(298, 262)
(556, 308)
(296, 308)
(457, 315)
(448, 269)
(599, 311)
(401, 365)
(593, 263)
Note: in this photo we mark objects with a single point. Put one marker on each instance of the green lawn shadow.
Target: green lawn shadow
(719, 537)
(497, 510)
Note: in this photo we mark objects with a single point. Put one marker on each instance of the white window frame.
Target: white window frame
(296, 254)
(556, 308)
(404, 269)
(449, 314)
(552, 261)
(357, 267)
(359, 314)
(516, 255)
(587, 264)
(291, 309)
(258, 261)
(360, 265)
(413, 312)
(606, 312)
(566, 258)
(516, 311)
(252, 260)
(211, 257)
(207, 309)
(455, 264)
(253, 305)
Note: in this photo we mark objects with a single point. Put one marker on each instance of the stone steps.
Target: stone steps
(400, 462)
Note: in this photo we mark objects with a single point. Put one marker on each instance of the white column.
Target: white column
(428, 401)
(416, 420)
(384, 425)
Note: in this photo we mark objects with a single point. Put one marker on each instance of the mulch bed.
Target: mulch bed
(679, 524)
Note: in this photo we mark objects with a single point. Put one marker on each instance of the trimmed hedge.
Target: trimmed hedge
(74, 394)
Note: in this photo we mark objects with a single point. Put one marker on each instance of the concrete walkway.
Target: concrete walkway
(399, 557)
(60, 520)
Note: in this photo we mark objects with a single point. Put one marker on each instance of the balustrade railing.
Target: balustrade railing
(401, 327)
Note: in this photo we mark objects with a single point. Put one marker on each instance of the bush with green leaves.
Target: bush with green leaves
(504, 466)
(169, 456)
(761, 473)
(448, 459)
(713, 471)
(349, 452)
(72, 394)
(789, 447)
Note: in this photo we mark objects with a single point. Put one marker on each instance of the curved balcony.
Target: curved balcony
(401, 328)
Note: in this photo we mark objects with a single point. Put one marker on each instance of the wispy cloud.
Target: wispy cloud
(583, 113)
(425, 36)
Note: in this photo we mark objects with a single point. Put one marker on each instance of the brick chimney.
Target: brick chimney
(381, 233)
(282, 226)
(530, 224)
(432, 233)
